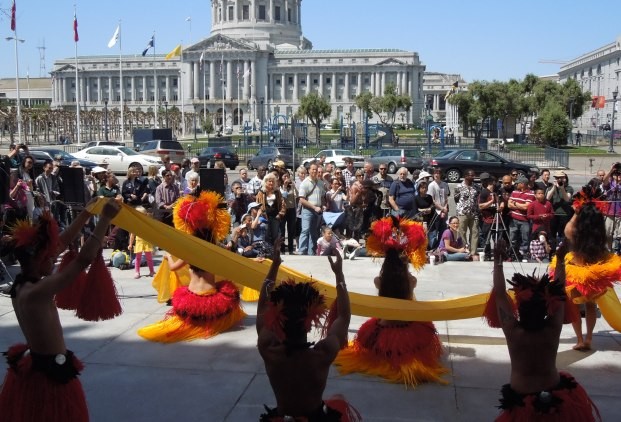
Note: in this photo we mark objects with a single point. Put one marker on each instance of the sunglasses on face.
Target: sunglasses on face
(514, 174)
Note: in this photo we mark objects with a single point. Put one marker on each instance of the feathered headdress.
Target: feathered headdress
(403, 235)
(41, 238)
(590, 194)
(294, 307)
(536, 299)
(207, 212)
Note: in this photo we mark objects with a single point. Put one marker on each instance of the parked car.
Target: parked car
(267, 155)
(98, 143)
(210, 155)
(119, 159)
(160, 148)
(397, 157)
(42, 154)
(454, 164)
(335, 156)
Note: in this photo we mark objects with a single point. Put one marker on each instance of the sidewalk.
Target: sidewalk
(223, 379)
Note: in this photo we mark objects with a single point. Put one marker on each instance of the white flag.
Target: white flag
(115, 37)
(200, 60)
(247, 72)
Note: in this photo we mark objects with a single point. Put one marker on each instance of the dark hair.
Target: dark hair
(47, 161)
(421, 184)
(590, 234)
(394, 276)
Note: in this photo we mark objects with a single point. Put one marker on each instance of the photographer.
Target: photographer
(612, 187)
(560, 195)
(488, 206)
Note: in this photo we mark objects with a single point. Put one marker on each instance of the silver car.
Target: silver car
(119, 159)
(394, 158)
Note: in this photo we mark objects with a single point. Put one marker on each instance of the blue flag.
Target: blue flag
(150, 45)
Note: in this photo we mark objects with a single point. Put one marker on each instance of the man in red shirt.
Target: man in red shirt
(540, 212)
(519, 231)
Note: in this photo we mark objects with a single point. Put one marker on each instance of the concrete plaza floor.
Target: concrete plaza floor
(223, 379)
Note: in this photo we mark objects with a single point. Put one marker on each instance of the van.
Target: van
(160, 148)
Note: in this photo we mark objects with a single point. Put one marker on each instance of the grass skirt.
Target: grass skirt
(195, 316)
(588, 282)
(403, 352)
(334, 409)
(29, 395)
(568, 402)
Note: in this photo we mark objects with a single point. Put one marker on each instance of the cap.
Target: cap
(560, 173)
(98, 169)
(522, 179)
(423, 174)
(253, 205)
(195, 160)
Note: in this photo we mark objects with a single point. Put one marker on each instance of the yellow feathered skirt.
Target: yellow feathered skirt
(401, 352)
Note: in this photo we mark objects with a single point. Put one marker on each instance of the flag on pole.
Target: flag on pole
(13, 16)
(76, 38)
(149, 45)
(247, 72)
(115, 37)
(200, 60)
(452, 90)
(175, 53)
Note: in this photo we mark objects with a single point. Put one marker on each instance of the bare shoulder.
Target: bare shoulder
(328, 348)
(268, 343)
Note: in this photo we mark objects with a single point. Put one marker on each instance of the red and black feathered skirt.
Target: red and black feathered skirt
(334, 409)
(194, 316)
(401, 352)
(567, 402)
(42, 387)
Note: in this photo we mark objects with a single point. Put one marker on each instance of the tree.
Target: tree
(552, 125)
(316, 109)
(387, 105)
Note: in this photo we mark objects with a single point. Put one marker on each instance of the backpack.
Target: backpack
(120, 259)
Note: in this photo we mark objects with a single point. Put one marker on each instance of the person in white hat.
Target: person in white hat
(423, 175)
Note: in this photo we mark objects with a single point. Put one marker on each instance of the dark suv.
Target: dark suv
(267, 155)
(397, 157)
(210, 155)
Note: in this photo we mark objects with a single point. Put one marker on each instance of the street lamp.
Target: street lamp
(612, 121)
(19, 106)
(106, 119)
(166, 112)
(571, 120)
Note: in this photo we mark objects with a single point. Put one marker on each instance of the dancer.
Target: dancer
(405, 352)
(205, 307)
(41, 383)
(537, 390)
(591, 268)
(297, 369)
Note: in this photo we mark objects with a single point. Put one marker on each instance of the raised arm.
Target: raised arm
(340, 325)
(503, 304)
(268, 284)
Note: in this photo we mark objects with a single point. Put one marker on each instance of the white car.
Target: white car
(335, 156)
(118, 158)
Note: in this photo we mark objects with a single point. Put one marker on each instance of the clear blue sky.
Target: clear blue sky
(480, 39)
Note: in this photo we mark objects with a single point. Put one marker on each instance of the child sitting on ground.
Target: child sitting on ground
(138, 245)
(328, 243)
(539, 247)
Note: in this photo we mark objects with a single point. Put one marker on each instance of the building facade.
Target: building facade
(598, 72)
(255, 65)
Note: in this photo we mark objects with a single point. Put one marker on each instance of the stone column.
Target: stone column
(167, 90)
(229, 80)
(111, 96)
(383, 83)
(253, 80)
(309, 81)
(197, 81)
(88, 90)
(346, 87)
(283, 87)
(246, 78)
(132, 82)
(372, 78)
(270, 11)
(333, 88)
(145, 93)
(99, 91)
(321, 84)
(295, 87)
(212, 80)
(359, 83)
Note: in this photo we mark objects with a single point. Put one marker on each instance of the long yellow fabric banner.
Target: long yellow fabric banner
(250, 273)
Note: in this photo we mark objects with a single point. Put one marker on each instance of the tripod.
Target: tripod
(497, 228)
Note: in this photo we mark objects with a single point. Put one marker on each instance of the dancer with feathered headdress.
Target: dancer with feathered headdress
(532, 325)
(298, 369)
(203, 308)
(42, 381)
(591, 268)
(399, 351)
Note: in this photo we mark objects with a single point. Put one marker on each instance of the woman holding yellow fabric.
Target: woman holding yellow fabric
(591, 268)
(205, 307)
(400, 351)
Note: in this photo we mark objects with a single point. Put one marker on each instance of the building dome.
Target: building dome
(267, 23)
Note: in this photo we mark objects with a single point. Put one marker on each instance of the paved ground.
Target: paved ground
(223, 379)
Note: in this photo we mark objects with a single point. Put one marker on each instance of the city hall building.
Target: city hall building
(256, 64)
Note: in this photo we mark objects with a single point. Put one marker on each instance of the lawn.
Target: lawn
(572, 150)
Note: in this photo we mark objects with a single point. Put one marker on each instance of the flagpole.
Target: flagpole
(77, 83)
(238, 94)
(155, 87)
(121, 82)
(181, 73)
(19, 106)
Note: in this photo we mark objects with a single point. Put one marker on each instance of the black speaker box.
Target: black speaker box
(212, 179)
(72, 186)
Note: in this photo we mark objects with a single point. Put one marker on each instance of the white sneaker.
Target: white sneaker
(353, 253)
